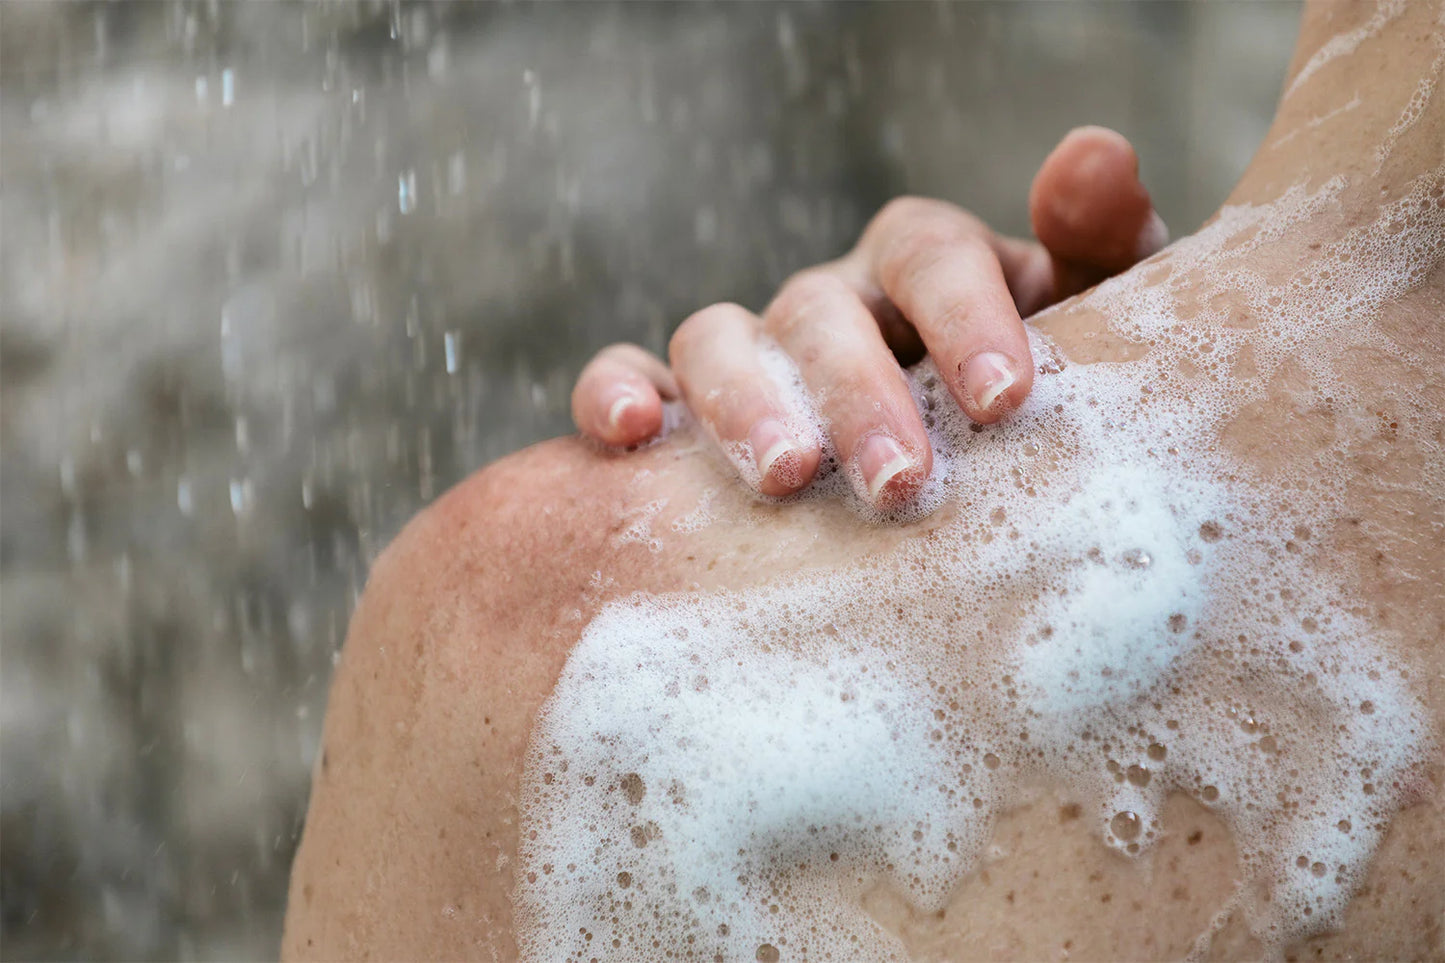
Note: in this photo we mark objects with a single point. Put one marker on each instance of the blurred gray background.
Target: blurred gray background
(274, 276)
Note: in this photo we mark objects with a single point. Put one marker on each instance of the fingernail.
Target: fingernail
(618, 409)
(771, 443)
(987, 376)
(880, 460)
(1152, 237)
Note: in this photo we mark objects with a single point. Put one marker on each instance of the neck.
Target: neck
(1361, 102)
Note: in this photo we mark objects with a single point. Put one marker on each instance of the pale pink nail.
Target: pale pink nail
(1152, 236)
(987, 376)
(618, 409)
(880, 460)
(772, 444)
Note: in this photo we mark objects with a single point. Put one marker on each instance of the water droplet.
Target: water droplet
(1137, 558)
(705, 225)
(406, 192)
(457, 173)
(436, 59)
(1157, 752)
(243, 496)
(768, 953)
(67, 476)
(451, 344)
(1139, 776)
(75, 538)
(534, 98)
(185, 501)
(1125, 825)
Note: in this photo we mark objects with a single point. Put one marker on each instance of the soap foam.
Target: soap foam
(1125, 608)
(1420, 98)
(1346, 43)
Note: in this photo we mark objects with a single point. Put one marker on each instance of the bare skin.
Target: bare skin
(925, 276)
(411, 841)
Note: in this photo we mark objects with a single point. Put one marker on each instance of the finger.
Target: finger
(1091, 211)
(719, 364)
(618, 397)
(937, 264)
(819, 320)
(1028, 269)
(900, 336)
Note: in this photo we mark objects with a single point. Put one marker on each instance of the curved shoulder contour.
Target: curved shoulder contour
(465, 622)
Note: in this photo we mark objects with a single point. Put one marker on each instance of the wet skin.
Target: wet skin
(411, 841)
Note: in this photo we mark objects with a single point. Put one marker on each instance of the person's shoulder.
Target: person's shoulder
(517, 519)
(489, 562)
(459, 637)
(465, 622)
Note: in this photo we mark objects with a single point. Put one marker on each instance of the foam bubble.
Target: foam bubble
(1126, 608)
(1346, 43)
(1419, 99)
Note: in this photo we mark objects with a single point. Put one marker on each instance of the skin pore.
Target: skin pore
(412, 845)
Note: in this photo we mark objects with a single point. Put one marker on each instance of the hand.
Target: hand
(925, 276)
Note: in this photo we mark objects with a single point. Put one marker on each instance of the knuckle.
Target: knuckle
(903, 210)
(904, 215)
(855, 385)
(917, 254)
(956, 318)
(804, 296)
(624, 351)
(702, 326)
(614, 356)
(910, 257)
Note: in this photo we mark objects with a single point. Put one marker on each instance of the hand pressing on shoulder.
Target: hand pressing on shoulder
(926, 277)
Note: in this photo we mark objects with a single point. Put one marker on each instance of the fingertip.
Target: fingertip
(1099, 137)
(1088, 153)
(632, 416)
(891, 471)
(903, 487)
(1153, 237)
(785, 463)
(995, 384)
(1012, 398)
(1087, 203)
(615, 406)
(789, 472)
